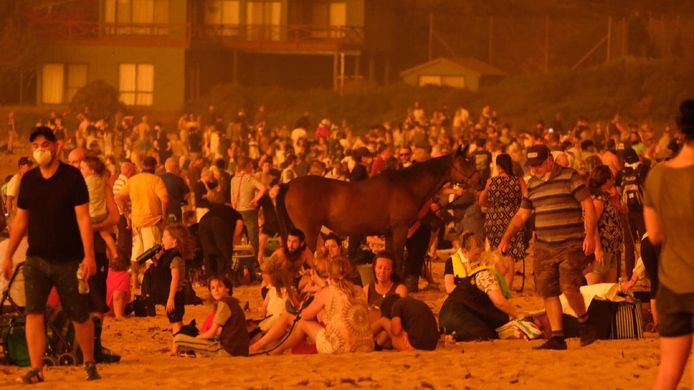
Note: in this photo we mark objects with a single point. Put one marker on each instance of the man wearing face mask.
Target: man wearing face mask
(53, 207)
(566, 229)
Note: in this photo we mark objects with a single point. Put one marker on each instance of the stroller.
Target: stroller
(61, 345)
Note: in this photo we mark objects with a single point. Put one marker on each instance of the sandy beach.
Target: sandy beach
(144, 344)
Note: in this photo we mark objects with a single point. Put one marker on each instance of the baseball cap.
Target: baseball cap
(44, 131)
(24, 161)
(537, 154)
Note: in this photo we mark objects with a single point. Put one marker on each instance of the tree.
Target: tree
(17, 45)
(97, 100)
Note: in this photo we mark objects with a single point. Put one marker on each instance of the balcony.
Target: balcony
(254, 38)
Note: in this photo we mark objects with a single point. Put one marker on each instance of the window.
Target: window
(449, 81)
(429, 80)
(59, 82)
(136, 84)
(453, 81)
(76, 79)
(140, 17)
(52, 86)
(223, 15)
(331, 17)
(263, 19)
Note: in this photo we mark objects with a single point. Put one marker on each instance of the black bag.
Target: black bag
(141, 306)
(189, 330)
(189, 296)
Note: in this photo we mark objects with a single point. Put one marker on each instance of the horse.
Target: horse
(385, 204)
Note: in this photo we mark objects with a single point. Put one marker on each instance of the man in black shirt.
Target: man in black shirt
(217, 230)
(177, 189)
(53, 205)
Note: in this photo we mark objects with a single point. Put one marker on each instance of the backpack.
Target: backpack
(632, 192)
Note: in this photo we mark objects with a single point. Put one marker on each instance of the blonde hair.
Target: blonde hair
(339, 269)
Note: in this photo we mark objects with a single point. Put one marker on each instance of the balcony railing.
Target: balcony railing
(239, 36)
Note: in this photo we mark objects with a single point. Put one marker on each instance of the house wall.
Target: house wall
(445, 69)
(103, 61)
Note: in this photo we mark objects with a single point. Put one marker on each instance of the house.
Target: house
(469, 73)
(160, 53)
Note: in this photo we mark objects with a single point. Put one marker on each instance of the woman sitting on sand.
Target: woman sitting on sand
(341, 306)
(477, 300)
(384, 284)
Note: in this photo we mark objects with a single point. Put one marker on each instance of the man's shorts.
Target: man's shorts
(143, 239)
(40, 275)
(675, 313)
(558, 269)
(97, 285)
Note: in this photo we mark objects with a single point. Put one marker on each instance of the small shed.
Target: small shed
(469, 73)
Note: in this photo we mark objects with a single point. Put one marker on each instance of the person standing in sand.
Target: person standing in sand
(669, 217)
(53, 206)
(564, 239)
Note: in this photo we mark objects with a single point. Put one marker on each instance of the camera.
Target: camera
(148, 254)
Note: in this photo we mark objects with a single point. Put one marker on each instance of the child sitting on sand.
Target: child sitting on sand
(94, 172)
(227, 335)
(409, 324)
(276, 279)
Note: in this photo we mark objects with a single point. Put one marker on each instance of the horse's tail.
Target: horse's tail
(284, 221)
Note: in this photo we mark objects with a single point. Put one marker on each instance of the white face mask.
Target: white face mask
(43, 156)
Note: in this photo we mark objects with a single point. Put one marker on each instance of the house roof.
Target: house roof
(480, 67)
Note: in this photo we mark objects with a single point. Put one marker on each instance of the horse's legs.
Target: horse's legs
(395, 243)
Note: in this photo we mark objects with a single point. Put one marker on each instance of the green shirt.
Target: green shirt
(670, 192)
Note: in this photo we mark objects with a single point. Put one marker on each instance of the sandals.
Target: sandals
(32, 376)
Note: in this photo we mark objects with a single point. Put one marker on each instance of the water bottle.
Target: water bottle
(82, 284)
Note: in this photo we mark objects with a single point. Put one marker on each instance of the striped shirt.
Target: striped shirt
(117, 187)
(557, 206)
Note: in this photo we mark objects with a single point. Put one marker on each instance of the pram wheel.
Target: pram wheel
(50, 361)
(67, 359)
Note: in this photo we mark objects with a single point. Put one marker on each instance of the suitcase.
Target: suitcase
(628, 321)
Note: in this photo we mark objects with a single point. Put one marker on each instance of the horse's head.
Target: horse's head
(463, 170)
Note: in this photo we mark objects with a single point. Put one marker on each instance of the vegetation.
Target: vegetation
(638, 89)
(97, 100)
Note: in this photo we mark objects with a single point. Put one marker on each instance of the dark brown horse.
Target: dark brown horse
(387, 203)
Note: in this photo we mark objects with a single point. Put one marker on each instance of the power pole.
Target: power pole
(491, 39)
(431, 35)
(546, 43)
(609, 37)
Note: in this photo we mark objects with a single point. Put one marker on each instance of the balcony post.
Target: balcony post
(335, 70)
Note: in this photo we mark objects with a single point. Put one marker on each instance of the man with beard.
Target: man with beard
(294, 254)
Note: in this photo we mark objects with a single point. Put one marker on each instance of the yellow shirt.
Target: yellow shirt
(145, 191)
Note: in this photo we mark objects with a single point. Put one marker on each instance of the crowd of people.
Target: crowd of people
(101, 198)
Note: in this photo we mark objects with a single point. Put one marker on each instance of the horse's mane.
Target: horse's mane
(437, 166)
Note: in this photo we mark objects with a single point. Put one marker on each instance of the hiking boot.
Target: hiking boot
(32, 376)
(588, 334)
(90, 369)
(554, 343)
